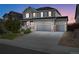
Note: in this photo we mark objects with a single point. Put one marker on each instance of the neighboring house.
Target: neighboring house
(1, 20)
(2, 28)
(75, 26)
(13, 15)
(44, 19)
(77, 14)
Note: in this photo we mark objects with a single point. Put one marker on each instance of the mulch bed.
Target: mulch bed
(69, 40)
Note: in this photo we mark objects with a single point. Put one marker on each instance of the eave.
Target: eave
(46, 18)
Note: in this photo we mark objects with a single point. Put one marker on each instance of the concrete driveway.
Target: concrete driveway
(41, 41)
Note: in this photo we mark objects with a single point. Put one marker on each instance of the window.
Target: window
(41, 14)
(34, 14)
(49, 13)
(27, 15)
(28, 23)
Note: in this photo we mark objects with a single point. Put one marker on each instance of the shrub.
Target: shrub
(22, 30)
(27, 31)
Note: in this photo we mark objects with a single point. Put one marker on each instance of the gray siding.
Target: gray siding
(45, 14)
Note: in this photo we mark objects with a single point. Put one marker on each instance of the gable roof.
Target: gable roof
(30, 9)
(6, 14)
(14, 12)
(45, 8)
(11, 12)
(48, 8)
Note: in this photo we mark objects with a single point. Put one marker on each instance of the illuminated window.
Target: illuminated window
(34, 14)
(28, 23)
(27, 15)
(41, 14)
(49, 13)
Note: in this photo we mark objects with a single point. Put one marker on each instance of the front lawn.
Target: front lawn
(12, 36)
(9, 36)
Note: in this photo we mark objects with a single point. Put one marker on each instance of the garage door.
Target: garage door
(60, 28)
(43, 26)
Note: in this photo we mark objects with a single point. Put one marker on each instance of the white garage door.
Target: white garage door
(60, 28)
(43, 26)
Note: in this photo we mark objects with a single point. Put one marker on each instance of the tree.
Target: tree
(12, 25)
(2, 28)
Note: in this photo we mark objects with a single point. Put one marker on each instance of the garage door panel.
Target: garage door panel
(60, 28)
(43, 26)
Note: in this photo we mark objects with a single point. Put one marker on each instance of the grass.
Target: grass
(9, 36)
(12, 36)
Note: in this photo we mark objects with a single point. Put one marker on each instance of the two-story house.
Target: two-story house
(44, 19)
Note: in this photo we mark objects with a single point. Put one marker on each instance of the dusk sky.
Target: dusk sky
(64, 9)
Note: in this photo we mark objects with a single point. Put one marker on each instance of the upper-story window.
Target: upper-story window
(49, 13)
(41, 14)
(27, 15)
(34, 14)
